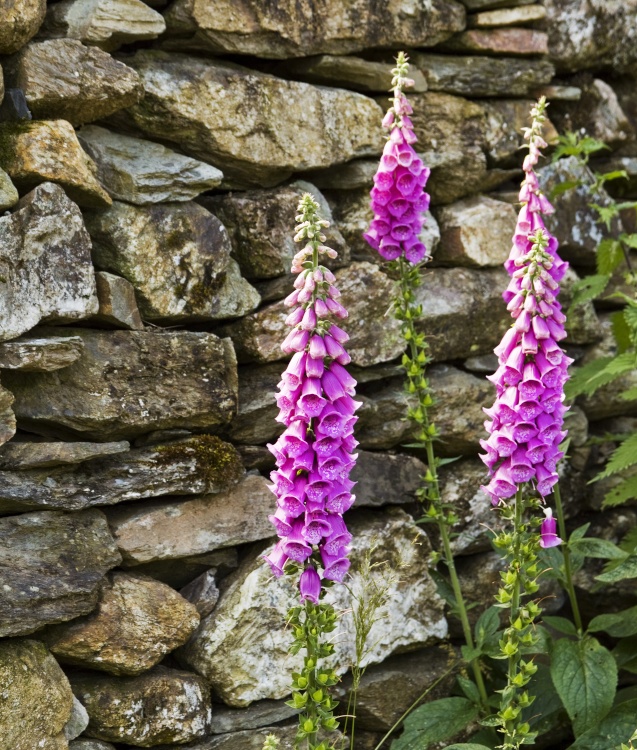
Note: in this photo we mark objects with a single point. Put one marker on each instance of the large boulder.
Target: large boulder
(20, 21)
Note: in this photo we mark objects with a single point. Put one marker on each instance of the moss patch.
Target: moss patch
(216, 461)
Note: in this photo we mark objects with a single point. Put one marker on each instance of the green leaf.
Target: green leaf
(585, 676)
(629, 395)
(629, 239)
(606, 213)
(621, 330)
(588, 288)
(609, 256)
(469, 688)
(564, 187)
(581, 378)
(619, 624)
(580, 531)
(629, 542)
(616, 728)
(561, 624)
(625, 654)
(625, 491)
(620, 572)
(601, 371)
(466, 746)
(608, 176)
(435, 722)
(624, 456)
(599, 548)
(487, 624)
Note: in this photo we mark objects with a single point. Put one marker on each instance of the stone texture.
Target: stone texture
(202, 592)
(186, 467)
(582, 326)
(170, 529)
(507, 16)
(289, 30)
(77, 722)
(7, 416)
(64, 80)
(227, 720)
(117, 303)
(177, 256)
(143, 172)
(556, 92)
(503, 41)
(48, 151)
(242, 650)
(33, 354)
(482, 76)
(488, 4)
(506, 119)
(255, 419)
(103, 23)
(8, 194)
(137, 621)
(45, 255)
(163, 705)
(475, 232)
(593, 34)
(223, 560)
(248, 740)
(52, 565)
(260, 224)
(21, 20)
(27, 455)
(128, 383)
(36, 697)
(86, 744)
(365, 293)
(242, 121)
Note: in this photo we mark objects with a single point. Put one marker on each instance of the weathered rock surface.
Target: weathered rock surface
(45, 257)
(227, 720)
(163, 705)
(117, 303)
(8, 194)
(489, 4)
(48, 151)
(202, 592)
(78, 721)
(36, 697)
(475, 232)
(592, 35)
(143, 172)
(23, 455)
(64, 80)
(582, 326)
(171, 528)
(254, 422)
(243, 668)
(7, 416)
(506, 119)
(242, 121)
(86, 744)
(52, 565)
(500, 41)
(136, 623)
(224, 561)
(33, 354)
(187, 467)
(249, 740)
(259, 225)
(177, 256)
(287, 30)
(104, 23)
(386, 479)
(507, 16)
(20, 21)
(128, 383)
(482, 76)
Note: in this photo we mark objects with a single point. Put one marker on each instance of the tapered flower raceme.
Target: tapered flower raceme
(525, 423)
(315, 453)
(398, 197)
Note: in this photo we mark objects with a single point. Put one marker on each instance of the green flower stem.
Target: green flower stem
(518, 534)
(407, 311)
(568, 571)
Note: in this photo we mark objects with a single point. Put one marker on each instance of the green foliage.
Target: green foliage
(561, 624)
(618, 727)
(622, 493)
(617, 624)
(600, 548)
(623, 458)
(610, 256)
(467, 746)
(587, 289)
(572, 144)
(435, 722)
(585, 676)
(615, 572)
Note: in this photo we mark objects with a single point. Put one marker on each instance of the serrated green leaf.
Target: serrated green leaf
(629, 395)
(618, 624)
(561, 624)
(612, 369)
(606, 213)
(609, 256)
(487, 624)
(599, 548)
(587, 289)
(467, 746)
(621, 331)
(624, 456)
(585, 676)
(435, 722)
(609, 176)
(581, 378)
(624, 492)
(564, 187)
(616, 728)
(629, 239)
(619, 572)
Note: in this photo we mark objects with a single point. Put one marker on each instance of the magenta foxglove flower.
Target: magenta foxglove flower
(398, 199)
(525, 423)
(548, 530)
(315, 453)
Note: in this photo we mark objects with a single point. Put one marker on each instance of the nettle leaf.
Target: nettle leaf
(619, 572)
(466, 746)
(599, 548)
(587, 289)
(624, 456)
(629, 395)
(619, 624)
(629, 239)
(616, 728)
(435, 722)
(487, 624)
(561, 624)
(624, 492)
(609, 256)
(609, 369)
(615, 175)
(585, 676)
(622, 332)
(564, 187)
(581, 378)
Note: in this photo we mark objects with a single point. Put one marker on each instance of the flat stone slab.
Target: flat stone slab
(128, 383)
(22, 455)
(503, 41)
(143, 172)
(274, 139)
(507, 16)
(52, 565)
(33, 354)
(117, 303)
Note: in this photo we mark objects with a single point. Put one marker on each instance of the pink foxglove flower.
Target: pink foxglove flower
(315, 453)
(525, 423)
(398, 197)
(548, 530)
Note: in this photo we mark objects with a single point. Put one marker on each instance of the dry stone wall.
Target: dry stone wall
(151, 159)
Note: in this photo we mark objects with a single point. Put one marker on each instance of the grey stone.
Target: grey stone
(196, 465)
(482, 76)
(475, 232)
(248, 740)
(52, 565)
(202, 592)
(224, 561)
(137, 621)
(86, 744)
(8, 194)
(358, 173)
(21, 20)
(386, 479)
(33, 354)
(557, 92)
(46, 263)
(260, 225)
(48, 151)
(41, 455)
(163, 529)
(103, 23)
(488, 4)
(64, 80)
(243, 668)
(271, 139)
(143, 172)
(506, 120)
(128, 383)
(287, 30)
(507, 16)
(78, 721)
(177, 256)
(261, 714)
(163, 705)
(7, 416)
(583, 325)
(500, 41)
(36, 697)
(255, 419)
(117, 303)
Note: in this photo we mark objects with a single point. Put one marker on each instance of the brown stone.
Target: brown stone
(20, 21)
(248, 740)
(117, 303)
(41, 455)
(7, 416)
(504, 41)
(48, 151)
(489, 4)
(9, 196)
(33, 354)
(506, 120)
(507, 16)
